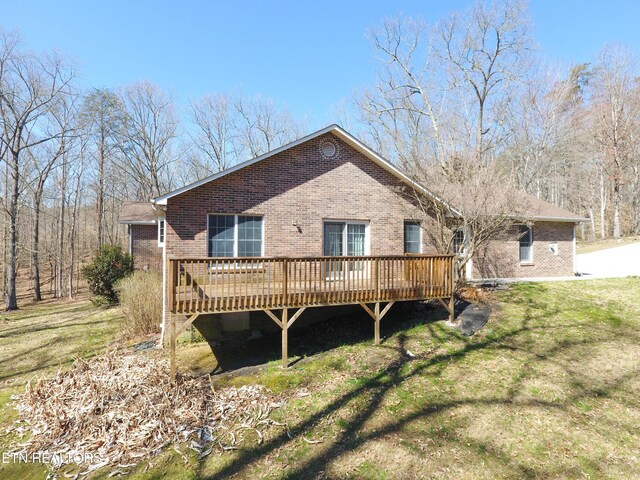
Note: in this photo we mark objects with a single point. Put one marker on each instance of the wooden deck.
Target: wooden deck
(223, 285)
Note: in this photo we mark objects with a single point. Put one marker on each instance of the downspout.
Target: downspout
(574, 248)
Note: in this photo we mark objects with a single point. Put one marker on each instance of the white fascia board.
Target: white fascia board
(137, 222)
(559, 219)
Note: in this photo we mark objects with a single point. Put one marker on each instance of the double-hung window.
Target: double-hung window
(234, 236)
(412, 234)
(458, 241)
(526, 244)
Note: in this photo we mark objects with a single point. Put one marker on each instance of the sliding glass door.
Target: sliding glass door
(344, 239)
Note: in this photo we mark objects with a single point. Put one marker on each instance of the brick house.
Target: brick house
(326, 194)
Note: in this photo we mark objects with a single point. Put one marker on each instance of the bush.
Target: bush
(140, 296)
(110, 265)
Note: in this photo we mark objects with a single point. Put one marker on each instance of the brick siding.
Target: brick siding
(147, 255)
(501, 258)
(297, 186)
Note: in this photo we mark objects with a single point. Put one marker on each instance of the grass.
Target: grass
(37, 340)
(548, 389)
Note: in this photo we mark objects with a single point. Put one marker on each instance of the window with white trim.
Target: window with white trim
(412, 237)
(234, 236)
(526, 244)
(458, 241)
(161, 231)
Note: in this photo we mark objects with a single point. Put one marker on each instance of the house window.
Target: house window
(234, 236)
(348, 238)
(412, 234)
(526, 244)
(457, 245)
(161, 228)
(345, 238)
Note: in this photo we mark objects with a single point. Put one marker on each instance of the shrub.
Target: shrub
(140, 296)
(110, 265)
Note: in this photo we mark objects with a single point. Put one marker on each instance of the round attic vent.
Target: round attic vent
(328, 149)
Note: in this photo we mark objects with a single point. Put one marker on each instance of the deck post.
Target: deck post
(453, 288)
(376, 328)
(172, 348)
(285, 338)
(451, 309)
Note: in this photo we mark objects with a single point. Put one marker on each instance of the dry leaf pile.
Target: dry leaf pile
(121, 408)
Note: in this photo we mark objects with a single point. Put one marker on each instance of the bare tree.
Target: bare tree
(438, 110)
(484, 51)
(617, 113)
(215, 121)
(29, 86)
(263, 127)
(44, 160)
(149, 127)
(102, 119)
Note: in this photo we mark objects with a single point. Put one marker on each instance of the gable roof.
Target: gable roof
(335, 130)
(536, 209)
(137, 213)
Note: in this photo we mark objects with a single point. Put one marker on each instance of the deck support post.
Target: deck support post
(284, 323)
(173, 339)
(376, 328)
(377, 315)
(452, 303)
(285, 338)
(172, 347)
(451, 309)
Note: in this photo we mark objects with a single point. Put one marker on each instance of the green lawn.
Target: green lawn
(549, 389)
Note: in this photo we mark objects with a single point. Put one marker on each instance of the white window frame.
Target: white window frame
(334, 275)
(162, 238)
(235, 231)
(367, 239)
(530, 260)
(404, 236)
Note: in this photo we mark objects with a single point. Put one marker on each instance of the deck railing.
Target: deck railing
(217, 285)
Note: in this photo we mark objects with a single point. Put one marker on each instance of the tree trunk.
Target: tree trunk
(35, 247)
(11, 300)
(72, 236)
(616, 207)
(603, 207)
(60, 256)
(100, 201)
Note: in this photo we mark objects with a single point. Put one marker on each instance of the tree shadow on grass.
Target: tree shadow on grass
(309, 341)
(376, 387)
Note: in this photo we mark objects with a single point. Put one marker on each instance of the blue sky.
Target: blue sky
(307, 55)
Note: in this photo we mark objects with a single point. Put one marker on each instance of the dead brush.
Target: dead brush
(121, 408)
(474, 294)
(140, 296)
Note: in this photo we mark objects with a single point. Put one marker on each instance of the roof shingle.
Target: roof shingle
(137, 212)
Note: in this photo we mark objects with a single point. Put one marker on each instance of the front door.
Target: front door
(344, 239)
